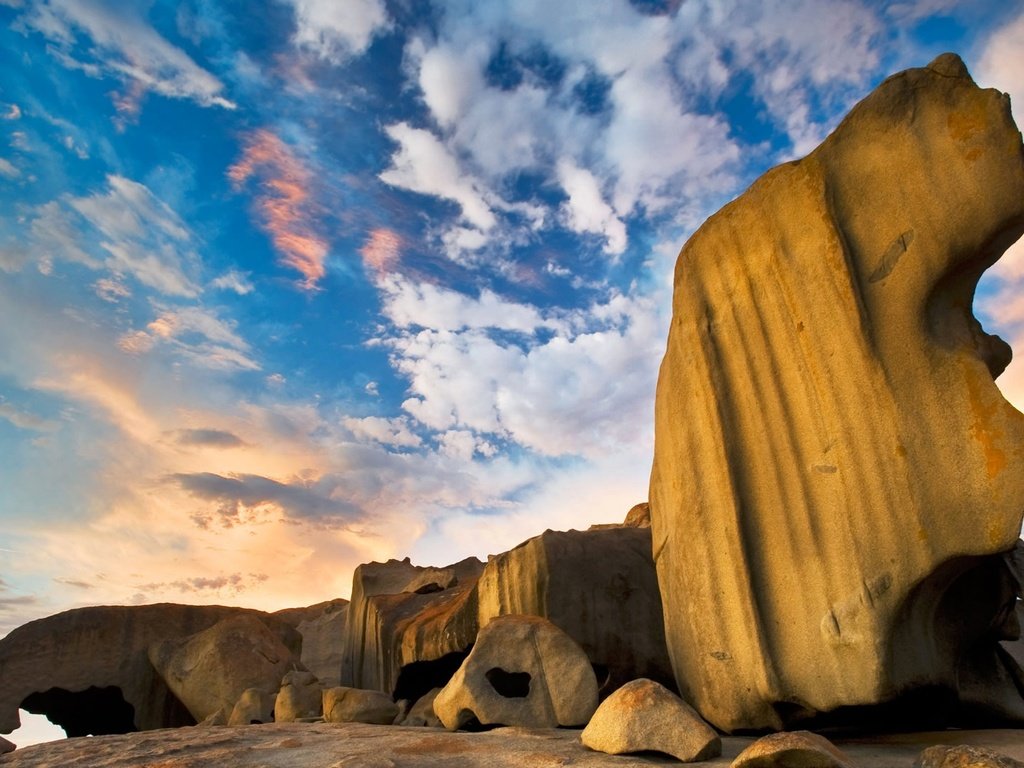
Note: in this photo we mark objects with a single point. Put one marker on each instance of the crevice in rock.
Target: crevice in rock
(92, 712)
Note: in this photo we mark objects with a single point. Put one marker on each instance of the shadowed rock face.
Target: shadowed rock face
(64, 665)
(834, 466)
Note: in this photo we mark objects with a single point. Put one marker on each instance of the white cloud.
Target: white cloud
(13, 112)
(1001, 64)
(423, 164)
(393, 432)
(8, 170)
(128, 48)
(586, 210)
(336, 29)
(233, 280)
(451, 79)
(410, 304)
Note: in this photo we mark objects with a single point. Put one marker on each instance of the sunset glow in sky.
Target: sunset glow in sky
(288, 286)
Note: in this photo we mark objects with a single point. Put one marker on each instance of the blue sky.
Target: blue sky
(290, 286)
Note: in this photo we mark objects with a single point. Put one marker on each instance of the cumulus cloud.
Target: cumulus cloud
(393, 432)
(586, 210)
(336, 30)
(1001, 64)
(124, 46)
(233, 280)
(287, 211)
(423, 164)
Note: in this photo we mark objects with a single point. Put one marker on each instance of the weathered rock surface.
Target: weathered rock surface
(355, 705)
(301, 696)
(834, 467)
(524, 671)
(796, 749)
(644, 716)
(254, 706)
(87, 669)
(598, 586)
(211, 669)
(964, 756)
(320, 745)
(422, 711)
(322, 627)
(6, 746)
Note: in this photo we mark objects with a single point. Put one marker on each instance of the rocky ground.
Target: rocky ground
(352, 745)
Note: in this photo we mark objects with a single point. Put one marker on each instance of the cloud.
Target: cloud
(287, 213)
(8, 170)
(13, 112)
(382, 250)
(423, 164)
(241, 493)
(586, 210)
(233, 280)
(394, 432)
(1001, 63)
(336, 30)
(216, 438)
(232, 584)
(141, 236)
(111, 290)
(25, 420)
(196, 333)
(126, 47)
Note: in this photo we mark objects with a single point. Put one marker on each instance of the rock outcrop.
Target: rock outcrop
(322, 627)
(964, 756)
(835, 471)
(254, 707)
(525, 671)
(797, 748)
(300, 697)
(598, 586)
(355, 705)
(643, 716)
(211, 669)
(87, 669)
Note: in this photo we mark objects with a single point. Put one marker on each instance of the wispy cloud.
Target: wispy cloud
(216, 438)
(382, 250)
(283, 200)
(24, 420)
(125, 46)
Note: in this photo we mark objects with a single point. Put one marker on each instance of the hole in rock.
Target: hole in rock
(92, 712)
(418, 678)
(604, 677)
(511, 685)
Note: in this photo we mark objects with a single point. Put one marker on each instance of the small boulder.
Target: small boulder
(964, 756)
(6, 746)
(795, 748)
(254, 707)
(522, 671)
(300, 697)
(210, 670)
(216, 718)
(644, 716)
(356, 705)
(422, 712)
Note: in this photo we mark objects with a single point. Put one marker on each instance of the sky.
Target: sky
(293, 285)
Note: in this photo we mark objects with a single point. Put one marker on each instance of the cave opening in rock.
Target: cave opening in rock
(511, 685)
(92, 712)
(418, 678)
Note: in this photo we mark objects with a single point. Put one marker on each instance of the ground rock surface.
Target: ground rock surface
(323, 745)
(835, 472)
(80, 651)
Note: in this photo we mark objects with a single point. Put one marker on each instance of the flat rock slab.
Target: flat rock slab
(355, 745)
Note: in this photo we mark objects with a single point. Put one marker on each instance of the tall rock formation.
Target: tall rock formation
(834, 466)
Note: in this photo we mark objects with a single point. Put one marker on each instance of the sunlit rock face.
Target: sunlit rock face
(835, 471)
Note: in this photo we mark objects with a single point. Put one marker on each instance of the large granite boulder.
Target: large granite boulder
(598, 586)
(210, 670)
(835, 472)
(87, 669)
(322, 627)
(523, 671)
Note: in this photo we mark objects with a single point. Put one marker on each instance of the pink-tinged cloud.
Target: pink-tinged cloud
(286, 210)
(380, 252)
